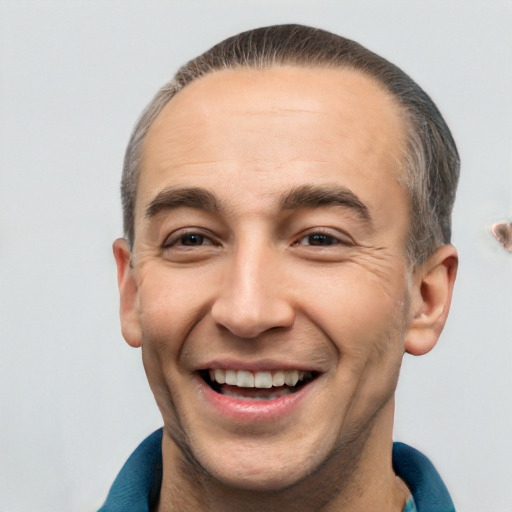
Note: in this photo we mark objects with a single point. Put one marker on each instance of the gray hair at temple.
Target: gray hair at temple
(431, 162)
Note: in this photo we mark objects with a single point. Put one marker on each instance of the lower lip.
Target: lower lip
(254, 410)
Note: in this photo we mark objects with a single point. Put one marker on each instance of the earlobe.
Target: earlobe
(431, 299)
(128, 306)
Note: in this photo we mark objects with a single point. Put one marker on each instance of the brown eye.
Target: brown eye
(187, 239)
(318, 240)
(194, 239)
(321, 239)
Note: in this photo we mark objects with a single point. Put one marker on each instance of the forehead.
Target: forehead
(343, 96)
(264, 121)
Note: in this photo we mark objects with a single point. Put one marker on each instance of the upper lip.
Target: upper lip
(260, 365)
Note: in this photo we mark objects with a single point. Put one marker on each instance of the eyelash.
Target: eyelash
(180, 236)
(338, 239)
(324, 237)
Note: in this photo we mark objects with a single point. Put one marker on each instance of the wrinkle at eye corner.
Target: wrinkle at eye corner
(378, 261)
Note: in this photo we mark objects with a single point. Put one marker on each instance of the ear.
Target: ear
(430, 299)
(128, 309)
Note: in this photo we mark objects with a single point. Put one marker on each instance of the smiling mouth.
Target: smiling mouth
(261, 385)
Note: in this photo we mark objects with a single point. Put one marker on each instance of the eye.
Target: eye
(190, 245)
(186, 238)
(320, 239)
(193, 239)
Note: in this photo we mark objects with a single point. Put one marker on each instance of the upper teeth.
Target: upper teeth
(266, 379)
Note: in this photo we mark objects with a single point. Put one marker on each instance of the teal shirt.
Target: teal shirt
(137, 487)
(410, 506)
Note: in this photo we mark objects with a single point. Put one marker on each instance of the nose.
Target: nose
(254, 296)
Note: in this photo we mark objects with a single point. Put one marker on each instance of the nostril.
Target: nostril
(248, 324)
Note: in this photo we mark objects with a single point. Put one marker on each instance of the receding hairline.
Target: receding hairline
(258, 70)
(403, 117)
(431, 162)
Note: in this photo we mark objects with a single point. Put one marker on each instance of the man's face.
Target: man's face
(270, 238)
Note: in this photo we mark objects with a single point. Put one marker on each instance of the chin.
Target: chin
(262, 467)
(257, 479)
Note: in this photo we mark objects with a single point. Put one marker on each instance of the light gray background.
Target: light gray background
(75, 75)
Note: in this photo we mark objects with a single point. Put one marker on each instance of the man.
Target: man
(287, 202)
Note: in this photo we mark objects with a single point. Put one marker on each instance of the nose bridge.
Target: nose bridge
(252, 299)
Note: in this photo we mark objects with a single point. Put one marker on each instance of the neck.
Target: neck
(359, 477)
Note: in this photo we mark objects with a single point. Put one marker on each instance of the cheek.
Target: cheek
(353, 309)
(365, 323)
(163, 391)
(168, 311)
(168, 307)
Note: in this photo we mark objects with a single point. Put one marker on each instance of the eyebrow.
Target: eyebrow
(191, 197)
(304, 196)
(318, 196)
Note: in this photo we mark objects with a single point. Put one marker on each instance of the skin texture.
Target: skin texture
(245, 274)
